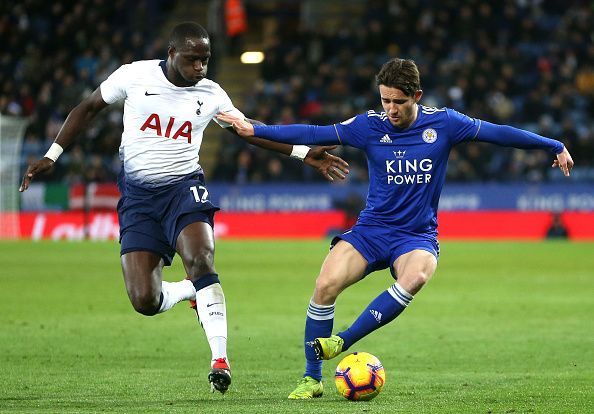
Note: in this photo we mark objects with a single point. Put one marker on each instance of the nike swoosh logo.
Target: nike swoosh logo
(150, 94)
(208, 305)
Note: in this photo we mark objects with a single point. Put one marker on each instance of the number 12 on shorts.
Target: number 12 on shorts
(197, 197)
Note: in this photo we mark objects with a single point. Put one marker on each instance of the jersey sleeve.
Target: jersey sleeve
(298, 134)
(461, 127)
(509, 136)
(227, 106)
(353, 131)
(113, 88)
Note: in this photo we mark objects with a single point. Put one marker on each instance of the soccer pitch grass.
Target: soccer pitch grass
(502, 328)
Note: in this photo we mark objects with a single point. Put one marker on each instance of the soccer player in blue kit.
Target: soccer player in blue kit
(165, 208)
(407, 148)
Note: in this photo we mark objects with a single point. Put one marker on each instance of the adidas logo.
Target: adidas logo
(386, 139)
(377, 315)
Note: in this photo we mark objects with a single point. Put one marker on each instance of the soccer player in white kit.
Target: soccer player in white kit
(164, 206)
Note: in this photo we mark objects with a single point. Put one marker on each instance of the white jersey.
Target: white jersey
(163, 123)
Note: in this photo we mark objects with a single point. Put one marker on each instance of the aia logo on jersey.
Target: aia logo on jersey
(429, 135)
(154, 122)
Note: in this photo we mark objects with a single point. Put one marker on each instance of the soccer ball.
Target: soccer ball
(359, 377)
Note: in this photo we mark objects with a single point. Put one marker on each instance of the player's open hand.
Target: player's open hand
(330, 166)
(241, 126)
(564, 162)
(41, 166)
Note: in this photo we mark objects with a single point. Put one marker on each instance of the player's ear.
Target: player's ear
(171, 51)
(418, 95)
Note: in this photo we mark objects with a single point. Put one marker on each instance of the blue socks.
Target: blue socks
(382, 310)
(320, 319)
(318, 324)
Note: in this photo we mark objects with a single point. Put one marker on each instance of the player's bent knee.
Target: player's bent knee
(201, 263)
(423, 277)
(327, 291)
(146, 309)
(145, 304)
(413, 282)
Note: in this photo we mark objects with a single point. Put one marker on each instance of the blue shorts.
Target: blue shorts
(152, 218)
(382, 245)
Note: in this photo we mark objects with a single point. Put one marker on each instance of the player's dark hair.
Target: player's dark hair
(401, 74)
(184, 31)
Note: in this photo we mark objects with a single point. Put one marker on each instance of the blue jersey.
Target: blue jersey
(407, 168)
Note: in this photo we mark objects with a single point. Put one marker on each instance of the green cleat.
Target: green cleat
(307, 388)
(328, 348)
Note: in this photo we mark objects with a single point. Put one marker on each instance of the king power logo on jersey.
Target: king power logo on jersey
(183, 130)
(402, 170)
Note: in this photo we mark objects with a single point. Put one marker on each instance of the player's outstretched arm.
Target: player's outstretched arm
(509, 136)
(330, 166)
(288, 134)
(77, 119)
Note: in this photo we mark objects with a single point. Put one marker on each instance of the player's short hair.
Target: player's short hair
(184, 31)
(401, 74)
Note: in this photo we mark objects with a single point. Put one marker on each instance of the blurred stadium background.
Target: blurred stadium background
(528, 63)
